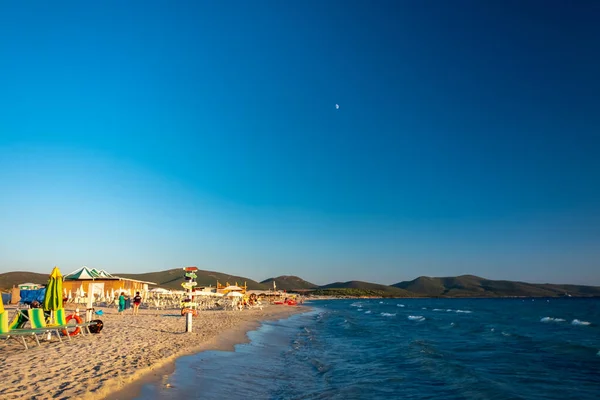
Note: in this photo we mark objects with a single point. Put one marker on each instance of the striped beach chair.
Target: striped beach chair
(60, 317)
(37, 320)
(8, 329)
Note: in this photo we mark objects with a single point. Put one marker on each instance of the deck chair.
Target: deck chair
(60, 318)
(37, 320)
(13, 333)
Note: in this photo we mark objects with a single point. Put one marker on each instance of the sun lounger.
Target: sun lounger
(60, 318)
(17, 334)
(37, 320)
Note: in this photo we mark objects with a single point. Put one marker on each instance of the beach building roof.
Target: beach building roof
(85, 273)
(233, 288)
(160, 290)
(81, 273)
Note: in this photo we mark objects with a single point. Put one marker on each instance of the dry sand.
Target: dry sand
(129, 351)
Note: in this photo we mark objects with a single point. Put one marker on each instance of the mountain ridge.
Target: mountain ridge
(423, 286)
(289, 282)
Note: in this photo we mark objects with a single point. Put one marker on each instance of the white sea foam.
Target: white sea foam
(423, 308)
(368, 312)
(359, 309)
(381, 302)
(416, 318)
(578, 322)
(550, 319)
(357, 304)
(451, 323)
(598, 353)
(399, 305)
(386, 314)
(437, 309)
(464, 311)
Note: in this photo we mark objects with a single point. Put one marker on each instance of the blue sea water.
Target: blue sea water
(406, 348)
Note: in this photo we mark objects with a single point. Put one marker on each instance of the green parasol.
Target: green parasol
(53, 299)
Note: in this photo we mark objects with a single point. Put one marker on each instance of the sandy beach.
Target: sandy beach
(130, 351)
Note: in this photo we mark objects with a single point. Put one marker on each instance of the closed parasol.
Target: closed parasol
(53, 299)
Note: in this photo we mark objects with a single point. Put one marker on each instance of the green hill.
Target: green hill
(172, 279)
(373, 288)
(286, 282)
(10, 279)
(424, 286)
(474, 286)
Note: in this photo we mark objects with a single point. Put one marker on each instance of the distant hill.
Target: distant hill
(10, 279)
(424, 286)
(474, 286)
(172, 279)
(367, 286)
(286, 282)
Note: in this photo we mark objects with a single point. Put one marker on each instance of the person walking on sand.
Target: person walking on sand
(137, 300)
(122, 302)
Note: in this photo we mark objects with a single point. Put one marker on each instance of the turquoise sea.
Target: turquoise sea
(406, 348)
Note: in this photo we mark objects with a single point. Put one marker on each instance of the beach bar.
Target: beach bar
(81, 279)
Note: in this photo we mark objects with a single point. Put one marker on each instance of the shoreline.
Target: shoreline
(131, 351)
(226, 341)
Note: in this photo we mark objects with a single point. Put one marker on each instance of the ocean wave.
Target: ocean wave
(368, 312)
(578, 322)
(550, 319)
(416, 318)
(399, 305)
(598, 353)
(451, 310)
(359, 309)
(386, 314)
(357, 304)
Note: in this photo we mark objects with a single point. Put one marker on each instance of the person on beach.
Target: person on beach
(122, 302)
(137, 300)
(127, 301)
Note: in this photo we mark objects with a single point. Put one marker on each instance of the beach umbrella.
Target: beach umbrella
(53, 297)
(234, 294)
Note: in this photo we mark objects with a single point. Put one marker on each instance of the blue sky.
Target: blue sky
(142, 136)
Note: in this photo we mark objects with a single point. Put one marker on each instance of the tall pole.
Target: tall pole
(188, 322)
